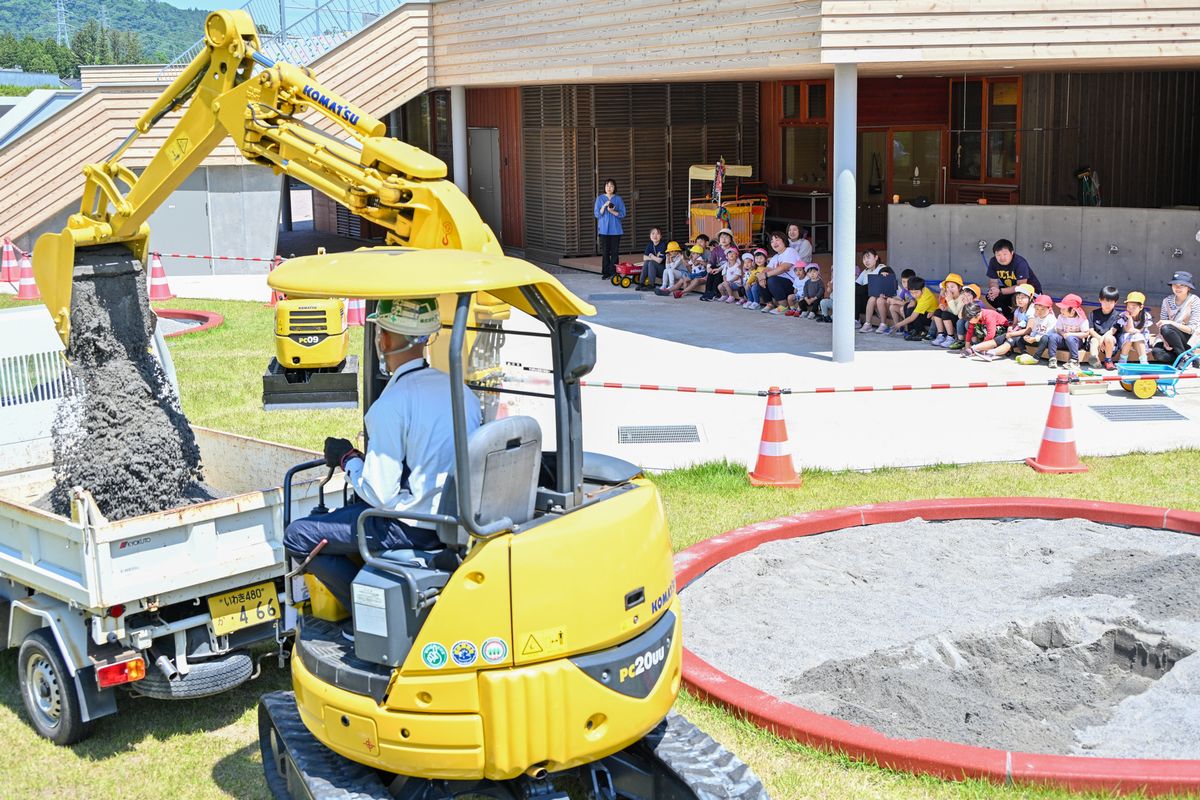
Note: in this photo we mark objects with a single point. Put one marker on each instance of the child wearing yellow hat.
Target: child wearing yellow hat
(674, 268)
(950, 303)
(1135, 324)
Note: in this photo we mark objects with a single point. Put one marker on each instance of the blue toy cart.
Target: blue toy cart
(1147, 380)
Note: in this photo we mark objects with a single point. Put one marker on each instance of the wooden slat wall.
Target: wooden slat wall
(952, 31)
(43, 168)
(495, 42)
(1139, 130)
(91, 76)
(501, 108)
(644, 136)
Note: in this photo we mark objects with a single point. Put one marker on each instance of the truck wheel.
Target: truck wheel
(204, 678)
(49, 691)
(710, 771)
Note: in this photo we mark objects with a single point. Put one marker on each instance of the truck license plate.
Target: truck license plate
(242, 608)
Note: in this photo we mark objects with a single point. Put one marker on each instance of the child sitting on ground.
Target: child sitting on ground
(924, 307)
(945, 319)
(814, 292)
(877, 307)
(1070, 331)
(899, 307)
(754, 279)
(1135, 324)
(695, 275)
(674, 269)
(730, 287)
(1102, 343)
(1040, 325)
(987, 327)
(1022, 315)
(970, 294)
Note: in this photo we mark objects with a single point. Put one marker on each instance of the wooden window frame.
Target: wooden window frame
(804, 121)
(984, 179)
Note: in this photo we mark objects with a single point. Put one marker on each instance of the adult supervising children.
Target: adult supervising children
(609, 210)
(1007, 270)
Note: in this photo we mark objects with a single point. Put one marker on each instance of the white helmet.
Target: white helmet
(409, 317)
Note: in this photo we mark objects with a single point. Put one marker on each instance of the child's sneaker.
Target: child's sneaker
(811, 315)
(777, 312)
(1053, 363)
(857, 324)
(883, 329)
(1026, 359)
(866, 329)
(937, 340)
(956, 344)
(1109, 365)
(677, 295)
(1143, 360)
(1073, 366)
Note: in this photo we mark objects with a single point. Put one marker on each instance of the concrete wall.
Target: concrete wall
(945, 238)
(219, 210)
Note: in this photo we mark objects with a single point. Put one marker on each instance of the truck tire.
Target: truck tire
(49, 690)
(204, 678)
(710, 771)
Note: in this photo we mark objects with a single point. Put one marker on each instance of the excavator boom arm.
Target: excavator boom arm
(391, 183)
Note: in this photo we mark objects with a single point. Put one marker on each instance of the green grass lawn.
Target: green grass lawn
(208, 748)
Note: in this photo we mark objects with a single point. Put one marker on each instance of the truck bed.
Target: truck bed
(170, 555)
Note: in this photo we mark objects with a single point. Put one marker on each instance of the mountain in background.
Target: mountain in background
(165, 31)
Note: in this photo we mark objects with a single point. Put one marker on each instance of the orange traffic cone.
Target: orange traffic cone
(159, 290)
(356, 312)
(9, 271)
(276, 295)
(27, 288)
(1057, 453)
(774, 467)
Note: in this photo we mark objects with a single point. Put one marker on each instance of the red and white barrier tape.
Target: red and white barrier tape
(216, 258)
(899, 387)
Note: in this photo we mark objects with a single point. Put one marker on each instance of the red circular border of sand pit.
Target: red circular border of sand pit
(930, 756)
(207, 319)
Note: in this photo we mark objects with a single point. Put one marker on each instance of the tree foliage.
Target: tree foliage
(162, 30)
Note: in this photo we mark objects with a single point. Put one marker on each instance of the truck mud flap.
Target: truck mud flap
(298, 767)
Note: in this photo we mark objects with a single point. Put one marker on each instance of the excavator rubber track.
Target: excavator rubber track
(675, 761)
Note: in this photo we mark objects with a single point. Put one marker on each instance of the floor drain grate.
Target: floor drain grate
(1153, 412)
(658, 434)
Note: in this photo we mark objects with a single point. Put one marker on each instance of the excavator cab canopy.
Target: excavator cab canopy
(379, 273)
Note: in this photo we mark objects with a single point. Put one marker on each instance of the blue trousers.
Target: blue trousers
(1055, 341)
(333, 566)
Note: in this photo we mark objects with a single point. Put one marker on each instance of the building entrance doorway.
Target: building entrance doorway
(483, 147)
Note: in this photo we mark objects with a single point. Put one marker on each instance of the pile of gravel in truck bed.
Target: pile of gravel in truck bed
(124, 437)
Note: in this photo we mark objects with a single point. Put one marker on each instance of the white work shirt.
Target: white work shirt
(410, 423)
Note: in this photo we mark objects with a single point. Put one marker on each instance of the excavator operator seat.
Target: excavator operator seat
(504, 457)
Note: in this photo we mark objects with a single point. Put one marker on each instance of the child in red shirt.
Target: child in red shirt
(985, 325)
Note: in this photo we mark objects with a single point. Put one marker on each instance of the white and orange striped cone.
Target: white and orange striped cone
(27, 288)
(356, 312)
(9, 271)
(276, 295)
(159, 290)
(1057, 453)
(774, 467)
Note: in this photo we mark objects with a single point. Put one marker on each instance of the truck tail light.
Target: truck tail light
(121, 672)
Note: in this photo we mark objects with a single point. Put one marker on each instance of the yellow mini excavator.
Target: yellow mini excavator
(539, 648)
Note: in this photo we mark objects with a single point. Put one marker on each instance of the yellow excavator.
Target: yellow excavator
(539, 648)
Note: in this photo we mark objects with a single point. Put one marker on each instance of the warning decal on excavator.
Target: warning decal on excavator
(179, 148)
(545, 642)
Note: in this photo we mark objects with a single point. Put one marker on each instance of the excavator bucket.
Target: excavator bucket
(53, 269)
(55, 259)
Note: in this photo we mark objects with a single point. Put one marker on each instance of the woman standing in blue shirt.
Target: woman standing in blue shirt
(609, 211)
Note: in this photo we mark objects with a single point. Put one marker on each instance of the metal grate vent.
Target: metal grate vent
(1140, 412)
(658, 434)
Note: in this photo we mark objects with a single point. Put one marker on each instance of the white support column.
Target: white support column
(845, 207)
(458, 136)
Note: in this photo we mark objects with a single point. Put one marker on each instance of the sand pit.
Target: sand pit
(1067, 637)
(124, 437)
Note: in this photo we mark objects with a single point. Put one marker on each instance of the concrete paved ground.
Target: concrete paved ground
(647, 339)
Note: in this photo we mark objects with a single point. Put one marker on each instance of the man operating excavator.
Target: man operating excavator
(410, 452)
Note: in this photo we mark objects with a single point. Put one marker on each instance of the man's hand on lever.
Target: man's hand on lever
(338, 451)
